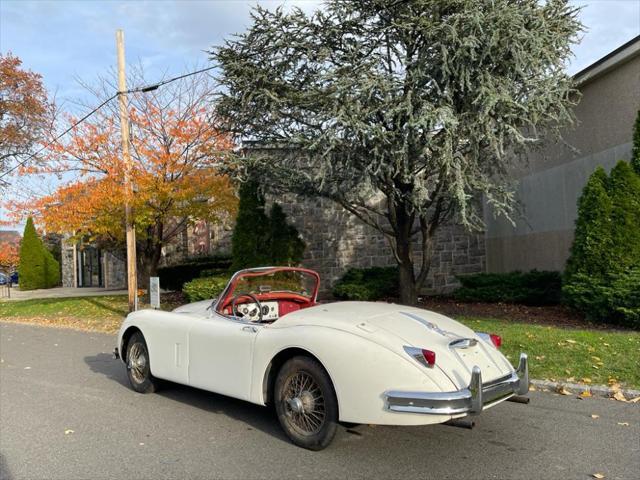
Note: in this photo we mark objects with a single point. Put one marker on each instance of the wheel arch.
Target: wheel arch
(271, 372)
(128, 333)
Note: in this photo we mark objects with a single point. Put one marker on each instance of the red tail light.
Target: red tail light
(496, 340)
(430, 357)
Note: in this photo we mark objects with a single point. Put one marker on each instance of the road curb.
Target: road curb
(578, 388)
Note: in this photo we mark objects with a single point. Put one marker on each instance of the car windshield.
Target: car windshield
(277, 280)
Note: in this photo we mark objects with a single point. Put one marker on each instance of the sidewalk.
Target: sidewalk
(60, 292)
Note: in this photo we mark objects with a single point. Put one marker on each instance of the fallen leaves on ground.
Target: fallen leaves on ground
(623, 424)
(68, 431)
(594, 416)
(562, 390)
(618, 395)
(570, 341)
(634, 400)
(585, 394)
(598, 475)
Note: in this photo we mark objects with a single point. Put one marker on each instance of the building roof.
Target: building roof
(612, 60)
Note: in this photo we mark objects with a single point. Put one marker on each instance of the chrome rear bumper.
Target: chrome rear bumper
(470, 400)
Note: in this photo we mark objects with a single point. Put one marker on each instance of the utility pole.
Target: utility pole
(132, 281)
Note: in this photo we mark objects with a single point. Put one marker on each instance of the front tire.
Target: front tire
(306, 403)
(138, 366)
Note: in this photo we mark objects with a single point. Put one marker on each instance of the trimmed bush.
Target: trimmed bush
(614, 299)
(635, 155)
(32, 269)
(529, 288)
(602, 279)
(593, 242)
(285, 247)
(367, 284)
(205, 288)
(175, 276)
(51, 269)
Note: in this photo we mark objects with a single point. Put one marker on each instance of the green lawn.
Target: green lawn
(567, 354)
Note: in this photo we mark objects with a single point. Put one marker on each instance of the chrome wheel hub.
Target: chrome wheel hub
(137, 362)
(304, 403)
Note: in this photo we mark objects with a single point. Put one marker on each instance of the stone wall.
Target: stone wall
(67, 266)
(114, 270)
(336, 241)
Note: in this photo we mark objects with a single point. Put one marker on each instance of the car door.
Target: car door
(167, 338)
(220, 355)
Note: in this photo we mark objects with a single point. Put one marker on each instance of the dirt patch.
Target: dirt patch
(556, 315)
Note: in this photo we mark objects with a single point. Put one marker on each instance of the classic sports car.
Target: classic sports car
(266, 340)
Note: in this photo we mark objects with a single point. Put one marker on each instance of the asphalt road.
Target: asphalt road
(54, 381)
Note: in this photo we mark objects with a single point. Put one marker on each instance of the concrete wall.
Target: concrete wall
(550, 184)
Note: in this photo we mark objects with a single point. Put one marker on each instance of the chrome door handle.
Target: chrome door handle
(250, 329)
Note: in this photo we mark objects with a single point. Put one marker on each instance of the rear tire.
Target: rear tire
(138, 366)
(306, 403)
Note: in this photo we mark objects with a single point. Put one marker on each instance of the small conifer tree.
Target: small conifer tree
(31, 269)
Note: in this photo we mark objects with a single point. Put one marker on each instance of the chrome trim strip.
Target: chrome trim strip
(470, 400)
(463, 343)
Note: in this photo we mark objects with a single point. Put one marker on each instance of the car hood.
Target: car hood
(396, 326)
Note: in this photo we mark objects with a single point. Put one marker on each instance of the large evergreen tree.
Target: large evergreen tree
(635, 154)
(624, 191)
(405, 113)
(593, 242)
(32, 267)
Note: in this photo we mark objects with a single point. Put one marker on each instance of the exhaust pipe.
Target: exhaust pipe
(461, 423)
(519, 399)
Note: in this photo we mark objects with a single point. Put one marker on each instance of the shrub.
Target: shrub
(530, 288)
(175, 276)
(635, 155)
(368, 284)
(31, 269)
(259, 239)
(612, 299)
(51, 269)
(592, 245)
(205, 288)
(602, 278)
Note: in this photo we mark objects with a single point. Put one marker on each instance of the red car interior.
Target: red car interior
(287, 301)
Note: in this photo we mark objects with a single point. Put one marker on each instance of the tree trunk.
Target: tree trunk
(407, 278)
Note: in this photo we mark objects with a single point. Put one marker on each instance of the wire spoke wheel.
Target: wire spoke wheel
(304, 403)
(137, 362)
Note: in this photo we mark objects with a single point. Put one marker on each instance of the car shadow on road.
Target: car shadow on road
(5, 473)
(254, 416)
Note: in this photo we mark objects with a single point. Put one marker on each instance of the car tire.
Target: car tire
(306, 403)
(138, 365)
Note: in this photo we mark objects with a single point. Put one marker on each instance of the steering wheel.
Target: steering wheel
(234, 305)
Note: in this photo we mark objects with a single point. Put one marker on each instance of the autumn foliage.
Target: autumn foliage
(9, 256)
(26, 113)
(176, 153)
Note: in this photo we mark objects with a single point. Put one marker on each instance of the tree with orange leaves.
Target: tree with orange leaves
(176, 152)
(9, 257)
(26, 113)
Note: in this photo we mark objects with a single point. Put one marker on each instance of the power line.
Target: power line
(22, 162)
(144, 89)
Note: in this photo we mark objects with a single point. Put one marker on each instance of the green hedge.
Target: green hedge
(529, 288)
(205, 288)
(175, 276)
(612, 299)
(367, 284)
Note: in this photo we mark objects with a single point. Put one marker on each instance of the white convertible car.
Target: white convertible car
(266, 340)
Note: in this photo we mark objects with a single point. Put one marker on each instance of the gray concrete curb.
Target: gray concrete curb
(578, 388)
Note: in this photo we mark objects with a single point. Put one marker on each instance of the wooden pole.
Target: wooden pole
(132, 281)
